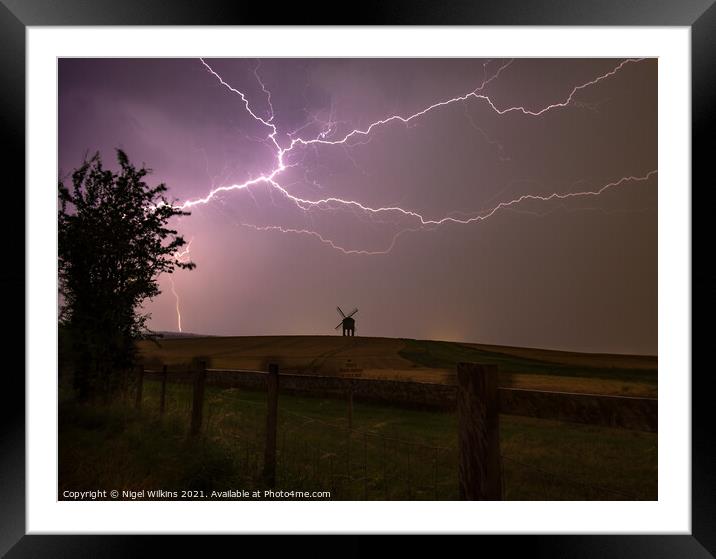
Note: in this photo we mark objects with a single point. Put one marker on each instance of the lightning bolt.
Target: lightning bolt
(177, 303)
(432, 223)
(179, 255)
(263, 88)
(292, 141)
(271, 178)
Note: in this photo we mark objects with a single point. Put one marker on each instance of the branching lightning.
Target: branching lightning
(290, 142)
(449, 219)
(271, 178)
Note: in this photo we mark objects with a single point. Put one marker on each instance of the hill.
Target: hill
(417, 360)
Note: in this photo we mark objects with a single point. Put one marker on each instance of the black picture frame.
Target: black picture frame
(16, 15)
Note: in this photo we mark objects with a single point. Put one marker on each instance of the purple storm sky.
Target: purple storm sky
(276, 257)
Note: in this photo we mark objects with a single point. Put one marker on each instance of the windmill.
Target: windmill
(348, 323)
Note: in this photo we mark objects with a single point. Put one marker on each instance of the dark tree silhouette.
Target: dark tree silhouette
(114, 241)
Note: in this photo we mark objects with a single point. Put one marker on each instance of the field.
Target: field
(418, 360)
(387, 452)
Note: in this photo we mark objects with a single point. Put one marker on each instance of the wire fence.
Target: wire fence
(352, 462)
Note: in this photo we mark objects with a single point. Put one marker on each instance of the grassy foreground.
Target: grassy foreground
(389, 453)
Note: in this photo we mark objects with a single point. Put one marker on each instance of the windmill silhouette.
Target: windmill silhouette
(348, 323)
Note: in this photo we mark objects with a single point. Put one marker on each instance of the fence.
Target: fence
(358, 463)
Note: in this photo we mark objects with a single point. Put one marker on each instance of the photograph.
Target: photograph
(357, 279)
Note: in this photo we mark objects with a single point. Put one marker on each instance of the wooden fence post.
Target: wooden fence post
(385, 473)
(478, 433)
(350, 404)
(140, 386)
(271, 425)
(163, 395)
(365, 466)
(197, 408)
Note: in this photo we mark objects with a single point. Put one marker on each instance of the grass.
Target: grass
(530, 372)
(390, 453)
(448, 355)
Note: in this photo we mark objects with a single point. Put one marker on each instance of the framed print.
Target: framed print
(493, 207)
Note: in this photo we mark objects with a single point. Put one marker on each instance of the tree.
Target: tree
(114, 241)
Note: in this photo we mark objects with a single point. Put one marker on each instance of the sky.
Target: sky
(503, 201)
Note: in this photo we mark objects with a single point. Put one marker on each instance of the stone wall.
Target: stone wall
(610, 411)
(411, 394)
(408, 394)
